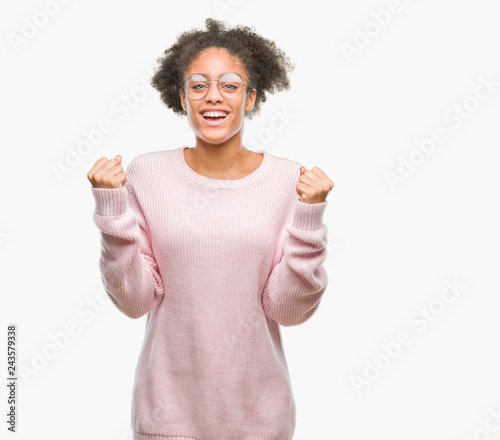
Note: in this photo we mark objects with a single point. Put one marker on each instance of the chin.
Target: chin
(215, 142)
(215, 138)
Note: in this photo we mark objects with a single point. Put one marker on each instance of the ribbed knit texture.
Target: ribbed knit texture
(217, 266)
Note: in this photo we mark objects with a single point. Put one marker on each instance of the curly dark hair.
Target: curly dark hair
(266, 65)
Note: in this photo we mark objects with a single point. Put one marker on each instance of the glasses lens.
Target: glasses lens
(230, 85)
(196, 86)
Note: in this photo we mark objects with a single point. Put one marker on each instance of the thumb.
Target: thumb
(302, 171)
(118, 159)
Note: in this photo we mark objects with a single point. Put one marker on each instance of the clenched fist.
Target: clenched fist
(107, 173)
(313, 185)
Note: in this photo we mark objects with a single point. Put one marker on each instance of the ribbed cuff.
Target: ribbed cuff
(308, 216)
(110, 201)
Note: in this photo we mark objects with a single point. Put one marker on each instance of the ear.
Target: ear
(183, 99)
(250, 100)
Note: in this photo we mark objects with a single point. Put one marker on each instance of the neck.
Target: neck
(223, 159)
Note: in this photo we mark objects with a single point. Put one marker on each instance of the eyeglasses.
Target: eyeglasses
(230, 85)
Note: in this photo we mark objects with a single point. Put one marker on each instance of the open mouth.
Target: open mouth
(215, 118)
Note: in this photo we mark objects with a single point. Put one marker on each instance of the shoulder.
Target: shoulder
(284, 177)
(145, 170)
(146, 162)
(288, 168)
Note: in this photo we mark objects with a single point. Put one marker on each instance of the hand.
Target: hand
(107, 173)
(313, 186)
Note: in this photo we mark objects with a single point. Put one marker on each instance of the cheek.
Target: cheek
(239, 111)
(192, 114)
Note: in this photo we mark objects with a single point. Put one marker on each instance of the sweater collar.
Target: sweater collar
(190, 174)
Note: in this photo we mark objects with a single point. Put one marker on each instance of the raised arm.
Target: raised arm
(297, 282)
(128, 267)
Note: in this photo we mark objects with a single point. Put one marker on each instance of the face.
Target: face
(214, 62)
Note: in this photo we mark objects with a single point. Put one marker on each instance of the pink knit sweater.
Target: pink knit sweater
(217, 266)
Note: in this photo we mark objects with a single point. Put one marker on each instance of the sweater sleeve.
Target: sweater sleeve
(297, 282)
(128, 267)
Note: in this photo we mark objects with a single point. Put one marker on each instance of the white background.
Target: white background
(391, 249)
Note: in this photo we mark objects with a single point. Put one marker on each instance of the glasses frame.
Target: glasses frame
(218, 85)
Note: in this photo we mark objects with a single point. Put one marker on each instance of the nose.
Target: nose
(213, 93)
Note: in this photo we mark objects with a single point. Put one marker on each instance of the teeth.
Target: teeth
(214, 114)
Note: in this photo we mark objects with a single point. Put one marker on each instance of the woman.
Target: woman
(218, 245)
